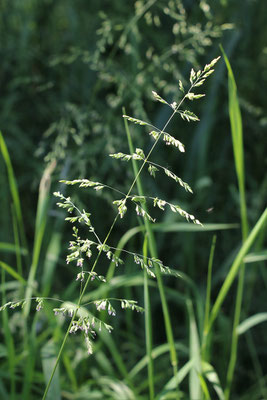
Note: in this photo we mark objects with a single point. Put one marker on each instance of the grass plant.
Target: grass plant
(196, 375)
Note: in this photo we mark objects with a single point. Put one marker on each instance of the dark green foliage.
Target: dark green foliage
(67, 69)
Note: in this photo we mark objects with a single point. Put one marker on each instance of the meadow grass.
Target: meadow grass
(195, 376)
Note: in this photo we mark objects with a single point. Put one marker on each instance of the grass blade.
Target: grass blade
(13, 189)
(250, 322)
(40, 225)
(256, 257)
(12, 273)
(211, 375)
(236, 265)
(194, 351)
(237, 139)
(208, 296)
(48, 357)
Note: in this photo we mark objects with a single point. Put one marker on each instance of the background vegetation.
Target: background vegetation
(67, 69)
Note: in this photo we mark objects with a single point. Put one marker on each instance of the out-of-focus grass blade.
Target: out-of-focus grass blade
(12, 272)
(51, 258)
(12, 248)
(9, 342)
(235, 266)
(250, 322)
(13, 189)
(181, 375)
(185, 227)
(194, 353)
(204, 388)
(156, 352)
(211, 375)
(104, 362)
(116, 355)
(3, 391)
(40, 225)
(208, 297)
(48, 357)
(114, 389)
(70, 371)
(237, 138)
(255, 257)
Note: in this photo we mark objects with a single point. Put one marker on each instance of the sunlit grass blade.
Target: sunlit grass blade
(11, 248)
(251, 322)
(212, 376)
(156, 352)
(16, 240)
(50, 262)
(70, 370)
(204, 388)
(256, 257)
(48, 358)
(13, 189)
(237, 139)
(236, 265)
(194, 353)
(40, 224)
(208, 297)
(168, 390)
(12, 272)
(116, 356)
(185, 227)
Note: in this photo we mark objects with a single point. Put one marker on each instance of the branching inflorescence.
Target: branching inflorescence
(81, 249)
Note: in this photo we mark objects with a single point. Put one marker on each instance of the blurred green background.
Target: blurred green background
(67, 69)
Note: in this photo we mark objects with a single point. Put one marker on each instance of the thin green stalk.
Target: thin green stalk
(153, 252)
(148, 330)
(237, 139)
(208, 296)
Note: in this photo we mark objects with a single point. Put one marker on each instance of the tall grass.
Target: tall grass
(198, 374)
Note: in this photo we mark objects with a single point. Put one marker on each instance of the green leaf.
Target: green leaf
(12, 272)
(212, 376)
(194, 350)
(251, 322)
(256, 257)
(48, 358)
